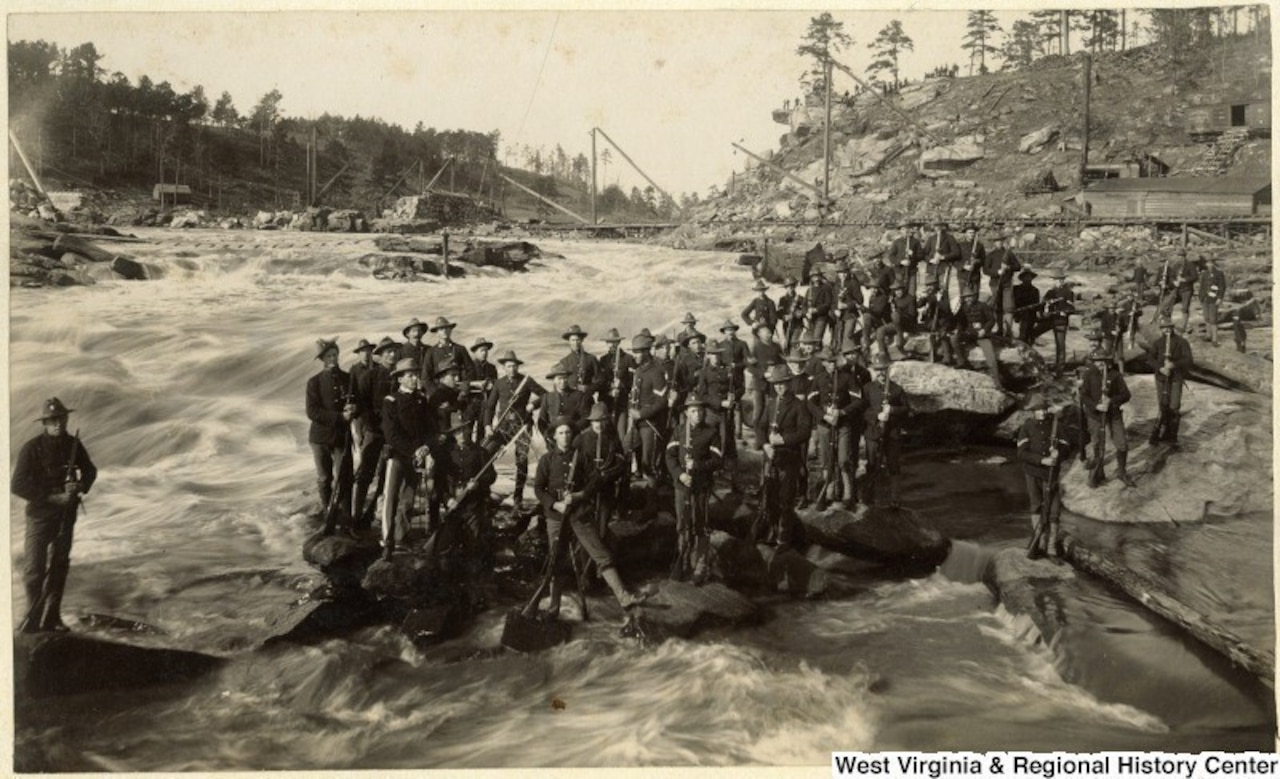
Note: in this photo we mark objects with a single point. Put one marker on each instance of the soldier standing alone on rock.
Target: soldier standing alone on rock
(1026, 306)
(1173, 354)
(52, 472)
(1103, 392)
(330, 406)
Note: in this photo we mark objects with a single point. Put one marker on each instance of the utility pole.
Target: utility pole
(594, 219)
(826, 146)
(1066, 32)
(1084, 146)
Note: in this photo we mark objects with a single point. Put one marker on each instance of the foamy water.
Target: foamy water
(189, 396)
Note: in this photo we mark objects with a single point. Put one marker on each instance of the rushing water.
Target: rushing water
(189, 392)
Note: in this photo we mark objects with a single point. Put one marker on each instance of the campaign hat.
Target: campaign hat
(385, 344)
(574, 330)
(53, 409)
(412, 324)
(406, 365)
(325, 344)
(729, 324)
(482, 343)
(612, 336)
(759, 286)
(599, 413)
(363, 345)
(778, 373)
(443, 323)
(559, 369)
(510, 356)
(641, 342)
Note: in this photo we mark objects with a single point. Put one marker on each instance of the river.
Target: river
(189, 397)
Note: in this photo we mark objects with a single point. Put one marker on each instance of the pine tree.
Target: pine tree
(981, 27)
(1022, 46)
(889, 43)
(1049, 28)
(824, 39)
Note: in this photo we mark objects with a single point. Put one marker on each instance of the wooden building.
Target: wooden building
(171, 193)
(1251, 115)
(1138, 166)
(1179, 198)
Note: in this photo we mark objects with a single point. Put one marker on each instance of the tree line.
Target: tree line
(84, 124)
(1041, 34)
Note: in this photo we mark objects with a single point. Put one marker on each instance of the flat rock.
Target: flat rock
(1222, 467)
(894, 536)
(48, 664)
(403, 576)
(934, 387)
(681, 610)
(326, 551)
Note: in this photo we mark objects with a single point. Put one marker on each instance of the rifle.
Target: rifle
(937, 307)
(566, 527)
(728, 423)
(1096, 473)
(343, 399)
(1051, 484)
(1137, 311)
(473, 482)
(1161, 421)
(684, 541)
(600, 518)
(36, 609)
(834, 414)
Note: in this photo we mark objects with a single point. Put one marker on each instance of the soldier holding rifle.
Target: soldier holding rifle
(331, 407)
(905, 254)
(886, 404)
(1026, 306)
(1000, 266)
(1041, 450)
(718, 389)
(507, 415)
(791, 309)
(761, 310)
(1102, 394)
(1059, 304)
(1172, 354)
(693, 457)
(52, 472)
(784, 431)
(764, 353)
(822, 300)
(410, 427)
(646, 408)
(847, 306)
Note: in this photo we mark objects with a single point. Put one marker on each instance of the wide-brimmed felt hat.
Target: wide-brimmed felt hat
(645, 332)
(778, 373)
(696, 400)
(882, 361)
(599, 413)
(363, 345)
(1099, 355)
(442, 323)
(457, 423)
(853, 347)
(759, 286)
(758, 326)
(689, 319)
(562, 420)
(829, 354)
(324, 345)
(482, 343)
(729, 324)
(559, 369)
(510, 356)
(691, 335)
(385, 344)
(612, 336)
(1035, 401)
(1026, 274)
(406, 365)
(573, 330)
(1058, 273)
(662, 340)
(641, 342)
(52, 409)
(1166, 321)
(790, 282)
(448, 366)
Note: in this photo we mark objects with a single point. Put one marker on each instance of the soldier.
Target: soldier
(53, 471)
(761, 310)
(848, 303)
(1173, 354)
(875, 314)
(616, 367)
(646, 410)
(975, 323)
(764, 353)
(584, 368)
(601, 454)
(1238, 333)
(936, 319)
(693, 457)
(409, 426)
(1000, 266)
(508, 414)
(785, 430)
(1059, 305)
(560, 484)
(853, 422)
(444, 351)
(883, 430)
(822, 299)
(1185, 287)
(413, 345)
(791, 308)
(905, 255)
(941, 250)
(1213, 286)
(447, 401)
(881, 274)
(829, 404)
(331, 407)
(1102, 394)
(363, 362)
(371, 386)
(477, 387)
(718, 389)
(562, 402)
(465, 536)
(1026, 306)
(973, 256)
(1040, 449)
(901, 322)
(688, 367)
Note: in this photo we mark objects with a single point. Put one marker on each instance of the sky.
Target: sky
(673, 88)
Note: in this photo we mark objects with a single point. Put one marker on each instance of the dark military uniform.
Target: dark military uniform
(884, 439)
(875, 315)
(905, 254)
(1036, 441)
(328, 392)
(1213, 287)
(438, 355)
(717, 386)
(371, 386)
(1026, 310)
(1173, 348)
(969, 268)
(584, 371)
(822, 299)
(940, 250)
(848, 305)
(693, 450)
(761, 311)
(1059, 305)
(44, 466)
(1000, 268)
(606, 465)
(616, 367)
(560, 473)
(647, 405)
(572, 403)
(788, 416)
(832, 406)
(1093, 386)
(791, 309)
(763, 354)
(408, 424)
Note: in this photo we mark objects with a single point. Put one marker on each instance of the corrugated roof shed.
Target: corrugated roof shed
(1216, 185)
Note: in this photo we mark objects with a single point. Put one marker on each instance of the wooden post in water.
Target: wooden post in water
(444, 252)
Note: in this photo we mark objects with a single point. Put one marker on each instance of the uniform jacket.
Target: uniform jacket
(551, 480)
(1034, 444)
(327, 393)
(612, 463)
(760, 311)
(438, 355)
(372, 386)
(617, 366)
(649, 391)
(1213, 285)
(41, 471)
(873, 393)
(573, 404)
(584, 370)
(408, 423)
(697, 446)
(791, 414)
(1091, 392)
(941, 245)
(1060, 304)
(1179, 351)
(502, 395)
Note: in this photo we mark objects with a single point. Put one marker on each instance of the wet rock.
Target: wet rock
(128, 268)
(1246, 370)
(404, 576)
(323, 614)
(1223, 465)
(1028, 587)
(325, 551)
(893, 536)
(644, 541)
(737, 561)
(47, 664)
(681, 610)
(790, 572)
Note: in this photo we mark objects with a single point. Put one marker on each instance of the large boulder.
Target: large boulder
(951, 157)
(681, 610)
(934, 387)
(1223, 466)
(894, 536)
(1035, 141)
(46, 664)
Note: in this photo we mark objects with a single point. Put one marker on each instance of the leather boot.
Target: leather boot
(1171, 430)
(1158, 432)
(553, 606)
(625, 598)
(517, 497)
(702, 561)
(1123, 475)
(1036, 550)
(1052, 542)
(848, 493)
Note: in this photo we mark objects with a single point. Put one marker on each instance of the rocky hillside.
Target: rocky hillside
(983, 148)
